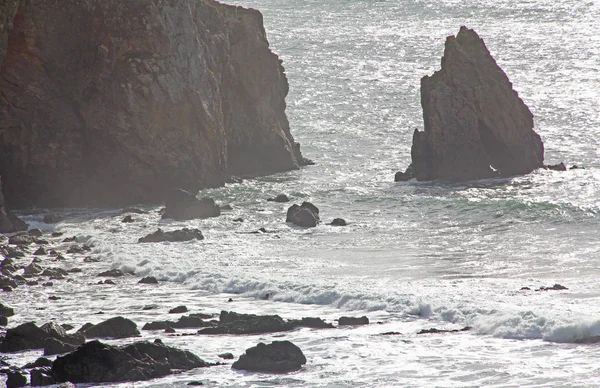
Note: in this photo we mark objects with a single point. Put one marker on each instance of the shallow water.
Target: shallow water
(415, 255)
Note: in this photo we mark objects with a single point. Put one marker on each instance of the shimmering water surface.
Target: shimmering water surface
(415, 255)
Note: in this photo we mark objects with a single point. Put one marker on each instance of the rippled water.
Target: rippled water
(415, 255)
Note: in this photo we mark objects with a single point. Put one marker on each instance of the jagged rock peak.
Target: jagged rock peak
(476, 126)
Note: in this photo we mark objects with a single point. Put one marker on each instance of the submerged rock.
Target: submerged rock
(306, 215)
(180, 235)
(96, 362)
(276, 357)
(279, 198)
(148, 280)
(476, 126)
(53, 218)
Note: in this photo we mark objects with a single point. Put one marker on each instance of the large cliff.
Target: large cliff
(112, 101)
(476, 126)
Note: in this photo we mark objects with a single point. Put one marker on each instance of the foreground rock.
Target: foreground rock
(277, 357)
(181, 205)
(306, 215)
(184, 234)
(476, 126)
(156, 95)
(30, 336)
(96, 362)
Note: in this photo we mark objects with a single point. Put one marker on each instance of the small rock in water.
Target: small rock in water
(57, 234)
(115, 273)
(226, 207)
(238, 220)
(349, 321)
(556, 167)
(184, 234)
(148, 280)
(279, 198)
(226, 356)
(15, 379)
(178, 310)
(556, 287)
(134, 210)
(305, 215)
(54, 297)
(338, 222)
(70, 239)
(127, 219)
(41, 251)
(117, 327)
(439, 331)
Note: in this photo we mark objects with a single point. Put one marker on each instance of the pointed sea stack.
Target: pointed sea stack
(476, 126)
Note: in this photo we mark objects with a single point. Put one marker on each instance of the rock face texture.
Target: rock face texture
(476, 126)
(111, 101)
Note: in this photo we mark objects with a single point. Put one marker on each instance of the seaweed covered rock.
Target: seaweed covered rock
(276, 357)
(475, 125)
(96, 362)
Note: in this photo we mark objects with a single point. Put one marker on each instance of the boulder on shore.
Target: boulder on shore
(305, 215)
(475, 124)
(184, 234)
(96, 362)
(277, 357)
(182, 205)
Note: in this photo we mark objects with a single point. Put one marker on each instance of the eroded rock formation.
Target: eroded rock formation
(111, 101)
(476, 126)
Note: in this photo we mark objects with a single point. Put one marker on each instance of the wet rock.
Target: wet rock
(113, 273)
(3, 321)
(192, 321)
(556, 287)
(226, 356)
(117, 327)
(11, 252)
(67, 327)
(127, 219)
(556, 167)
(178, 310)
(238, 219)
(350, 321)
(15, 378)
(70, 239)
(54, 346)
(576, 167)
(42, 377)
(277, 357)
(40, 362)
(20, 239)
(195, 383)
(279, 198)
(338, 222)
(169, 330)
(107, 281)
(476, 126)
(57, 273)
(57, 234)
(404, 176)
(53, 218)
(32, 270)
(47, 284)
(148, 280)
(184, 234)
(6, 311)
(182, 205)
(30, 336)
(41, 251)
(74, 270)
(90, 259)
(96, 362)
(441, 331)
(305, 215)
(234, 323)
(35, 232)
(54, 297)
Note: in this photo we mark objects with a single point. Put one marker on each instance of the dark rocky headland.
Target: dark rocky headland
(112, 102)
(476, 125)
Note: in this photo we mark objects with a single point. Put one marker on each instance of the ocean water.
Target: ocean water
(415, 255)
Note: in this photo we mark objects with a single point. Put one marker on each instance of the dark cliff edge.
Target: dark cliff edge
(107, 102)
(475, 125)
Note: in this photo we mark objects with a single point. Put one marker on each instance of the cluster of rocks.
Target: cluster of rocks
(307, 215)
